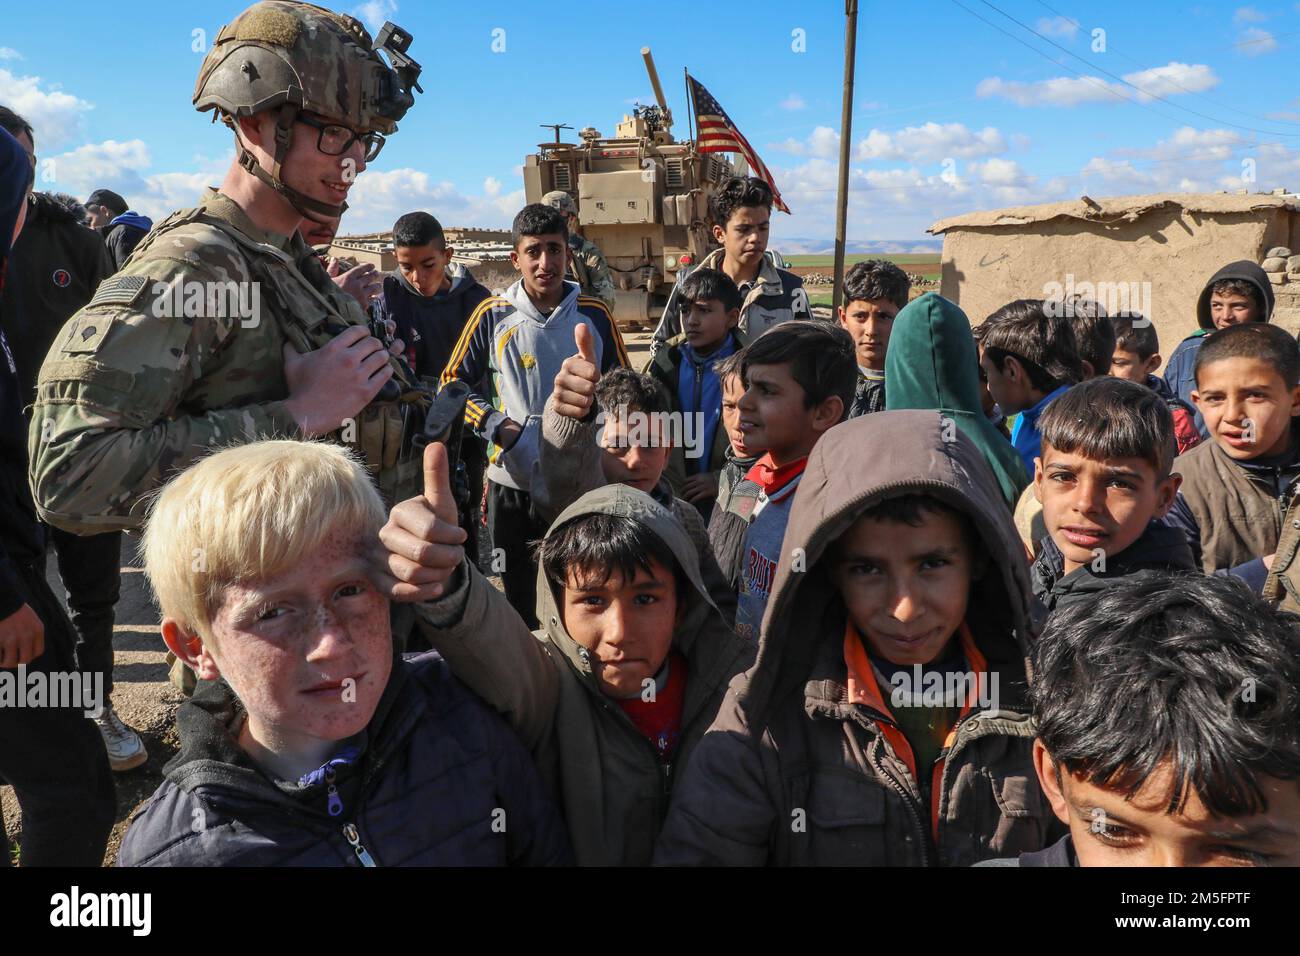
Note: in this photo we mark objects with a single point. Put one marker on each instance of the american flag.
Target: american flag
(718, 134)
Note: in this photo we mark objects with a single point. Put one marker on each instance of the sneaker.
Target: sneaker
(125, 748)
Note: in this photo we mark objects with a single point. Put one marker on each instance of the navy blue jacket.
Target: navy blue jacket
(441, 781)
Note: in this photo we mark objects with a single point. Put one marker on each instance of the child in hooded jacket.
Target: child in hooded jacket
(885, 720)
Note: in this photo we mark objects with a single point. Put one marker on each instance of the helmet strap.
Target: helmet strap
(311, 208)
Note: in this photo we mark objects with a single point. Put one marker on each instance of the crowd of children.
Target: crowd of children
(881, 589)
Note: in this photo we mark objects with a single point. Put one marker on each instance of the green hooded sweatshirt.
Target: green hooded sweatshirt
(932, 364)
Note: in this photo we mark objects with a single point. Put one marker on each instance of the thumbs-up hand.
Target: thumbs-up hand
(422, 541)
(575, 385)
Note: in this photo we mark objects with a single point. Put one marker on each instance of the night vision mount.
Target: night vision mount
(396, 97)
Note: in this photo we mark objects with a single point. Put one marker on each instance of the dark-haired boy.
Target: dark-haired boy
(885, 721)
(1104, 481)
(737, 494)
(1029, 356)
(873, 293)
(1136, 357)
(1093, 336)
(741, 210)
(1239, 488)
(1238, 293)
(799, 381)
(1199, 766)
(686, 370)
(628, 670)
(509, 353)
(429, 298)
(628, 441)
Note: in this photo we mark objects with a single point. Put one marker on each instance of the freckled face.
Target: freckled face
(309, 652)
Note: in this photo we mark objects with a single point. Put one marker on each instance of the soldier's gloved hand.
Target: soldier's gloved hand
(22, 637)
(335, 382)
(422, 541)
(364, 283)
(575, 385)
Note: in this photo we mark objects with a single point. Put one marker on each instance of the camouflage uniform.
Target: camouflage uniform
(127, 395)
(156, 370)
(587, 263)
(590, 269)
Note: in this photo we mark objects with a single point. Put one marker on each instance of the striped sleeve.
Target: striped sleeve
(614, 352)
(469, 363)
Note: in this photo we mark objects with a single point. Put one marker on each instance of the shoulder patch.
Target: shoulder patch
(119, 290)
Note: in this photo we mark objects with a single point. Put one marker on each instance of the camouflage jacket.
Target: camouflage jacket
(178, 353)
(590, 270)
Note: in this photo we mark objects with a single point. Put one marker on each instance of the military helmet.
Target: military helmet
(559, 199)
(296, 57)
(278, 52)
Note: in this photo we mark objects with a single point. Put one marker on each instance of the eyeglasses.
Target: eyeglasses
(335, 140)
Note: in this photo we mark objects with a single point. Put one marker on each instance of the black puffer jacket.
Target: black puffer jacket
(55, 267)
(442, 781)
(1161, 548)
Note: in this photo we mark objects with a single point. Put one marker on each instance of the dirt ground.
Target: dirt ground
(142, 695)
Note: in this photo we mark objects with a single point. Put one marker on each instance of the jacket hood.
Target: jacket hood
(702, 636)
(1242, 269)
(56, 207)
(768, 276)
(460, 277)
(133, 219)
(15, 172)
(518, 298)
(847, 473)
(932, 364)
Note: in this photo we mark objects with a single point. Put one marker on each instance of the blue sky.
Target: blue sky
(951, 115)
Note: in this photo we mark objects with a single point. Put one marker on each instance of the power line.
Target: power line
(1114, 76)
(1111, 49)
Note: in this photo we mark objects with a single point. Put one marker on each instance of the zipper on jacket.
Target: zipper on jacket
(913, 809)
(334, 803)
(354, 840)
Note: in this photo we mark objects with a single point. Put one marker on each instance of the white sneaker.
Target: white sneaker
(125, 748)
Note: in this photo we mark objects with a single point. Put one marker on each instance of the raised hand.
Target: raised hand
(422, 541)
(575, 385)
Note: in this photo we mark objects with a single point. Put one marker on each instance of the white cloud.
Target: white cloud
(1168, 80)
(373, 13)
(1058, 27)
(793, 102)
(824, 141)
(378, 198)
(931, 142)
(55, 116)
(1256, 42)
(1249, 15)
(124, 168)
(6, 53)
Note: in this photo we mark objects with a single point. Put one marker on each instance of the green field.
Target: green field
(903, 259)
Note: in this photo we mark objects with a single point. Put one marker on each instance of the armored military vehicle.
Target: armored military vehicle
(642, 198)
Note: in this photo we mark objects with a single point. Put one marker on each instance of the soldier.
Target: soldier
(587, 263)
(224, 327)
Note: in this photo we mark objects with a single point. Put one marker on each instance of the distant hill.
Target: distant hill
(797, 246)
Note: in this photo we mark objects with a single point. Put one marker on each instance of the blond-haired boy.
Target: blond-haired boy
(307, 741)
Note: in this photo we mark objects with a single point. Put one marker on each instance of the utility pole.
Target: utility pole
(846, 136)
